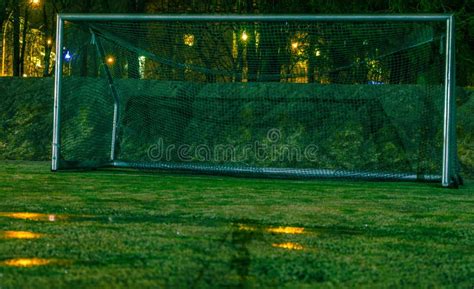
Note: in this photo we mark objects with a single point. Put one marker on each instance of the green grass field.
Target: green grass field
(122, 229)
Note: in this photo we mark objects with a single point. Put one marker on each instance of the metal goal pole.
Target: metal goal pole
(449, 133)
(58, 70)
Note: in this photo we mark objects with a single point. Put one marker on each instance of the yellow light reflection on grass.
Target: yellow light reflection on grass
(275, 230)
(20, 235)
(30, 216)
(288, 246)
(286, 230)
(243, 227)
(27, 262)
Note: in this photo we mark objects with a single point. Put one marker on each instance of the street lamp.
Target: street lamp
(68, 56)
(188, 39)
(244, 36)
(35, 3)
(110, 60)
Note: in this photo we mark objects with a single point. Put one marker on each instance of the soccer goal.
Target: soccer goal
(323, 96)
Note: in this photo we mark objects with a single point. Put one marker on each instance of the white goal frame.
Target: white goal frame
(448, 175)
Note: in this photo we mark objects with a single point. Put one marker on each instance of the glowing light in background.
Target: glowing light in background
(257, 38)
(286, 230)
(27, 262)
(141, 66)
(49, 41)
(20, 235)
(288, 246)
(68, 56)
(244, 36)
(110, 60)
(30, 216)
(188, 39)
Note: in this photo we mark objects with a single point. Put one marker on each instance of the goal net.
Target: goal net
(282, 96)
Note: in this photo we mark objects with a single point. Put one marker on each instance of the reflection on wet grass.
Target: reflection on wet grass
(173, 232)
(245, 235)
(240, 239)
(288, 246)
(243, 227)
(20, 235)
(275, 230)
(32, 216)
(27, 262)
(286, 230)
(250, 225)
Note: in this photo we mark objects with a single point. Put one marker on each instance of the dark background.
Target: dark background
(40, 15)
(26, 102)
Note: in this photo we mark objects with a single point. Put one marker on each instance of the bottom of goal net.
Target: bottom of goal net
(272, 172)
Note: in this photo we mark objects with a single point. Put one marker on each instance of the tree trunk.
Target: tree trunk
(3, 12)
(83, 65)
(270, 63)
(135, 6)
(311, 60)
(16, 38)
(47, 46)
(23, 44)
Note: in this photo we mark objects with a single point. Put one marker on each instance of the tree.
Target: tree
(3, 11)
(16, 38)
(135, 6)
(23, 41)
(47, 41)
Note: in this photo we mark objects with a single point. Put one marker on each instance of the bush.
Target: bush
(238, 114)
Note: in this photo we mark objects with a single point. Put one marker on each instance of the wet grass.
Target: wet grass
(116, 229)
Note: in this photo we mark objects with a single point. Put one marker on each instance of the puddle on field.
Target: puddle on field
(286, 230)
(241, 239)
(28, 262)
(186, 220)
(183, 220)
(20, 235)
(245, 237)
(33, 216)
(274, 230)
(288, 246)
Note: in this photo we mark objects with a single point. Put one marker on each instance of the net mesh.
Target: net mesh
(279, 98)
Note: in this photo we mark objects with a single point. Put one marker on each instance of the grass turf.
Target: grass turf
(116, 229)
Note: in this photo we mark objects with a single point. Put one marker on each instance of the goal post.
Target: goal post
(297, 96)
